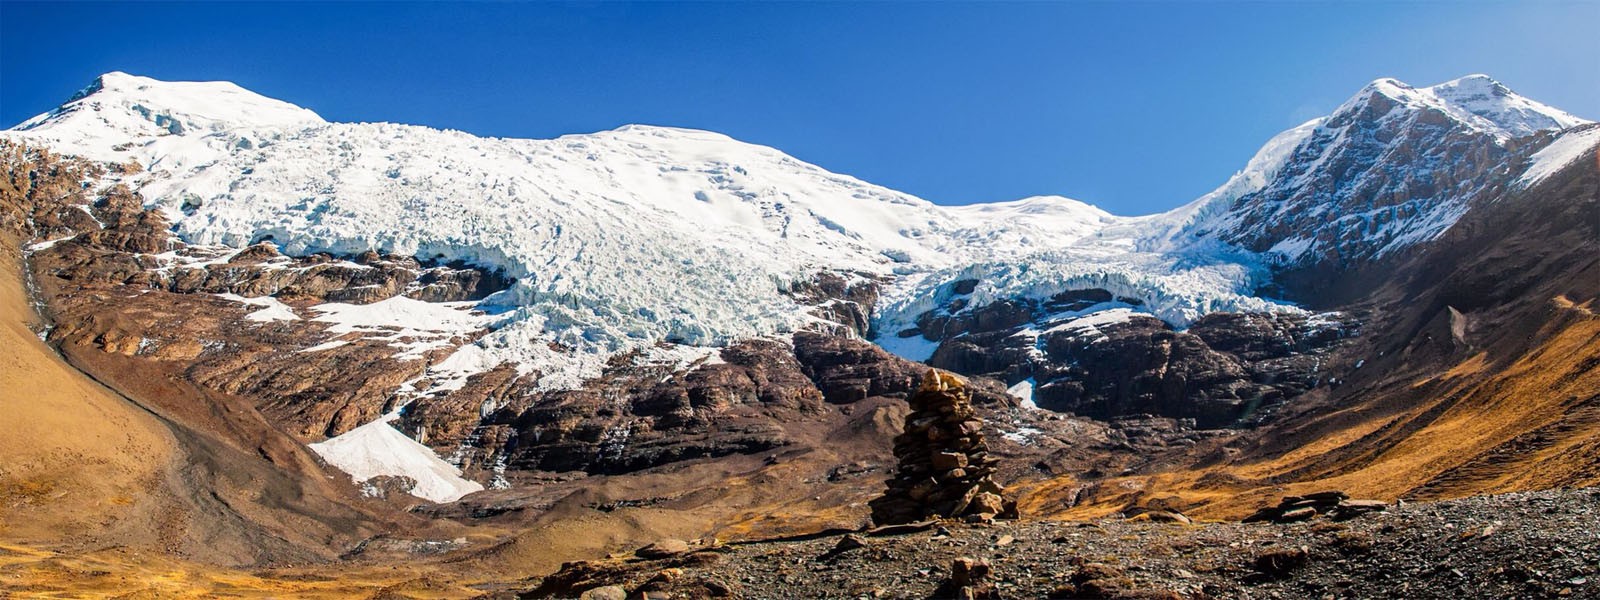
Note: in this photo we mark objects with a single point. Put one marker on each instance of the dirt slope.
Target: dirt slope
(80, 461)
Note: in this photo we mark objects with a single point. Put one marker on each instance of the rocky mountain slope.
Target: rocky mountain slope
(526, 351)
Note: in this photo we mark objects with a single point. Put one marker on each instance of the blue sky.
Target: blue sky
(1136, 107)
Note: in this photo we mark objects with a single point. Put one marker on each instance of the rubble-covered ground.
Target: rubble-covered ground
(1523, 545)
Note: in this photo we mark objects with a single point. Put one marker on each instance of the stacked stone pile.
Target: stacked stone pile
(944, 466)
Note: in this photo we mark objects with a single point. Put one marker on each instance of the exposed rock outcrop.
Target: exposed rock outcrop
(1224, 368)
(1333, 503)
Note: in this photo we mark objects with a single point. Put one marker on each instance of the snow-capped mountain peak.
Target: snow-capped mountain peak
(1365, 181)
(143, 108)
(1477, 101)
(1493, 101)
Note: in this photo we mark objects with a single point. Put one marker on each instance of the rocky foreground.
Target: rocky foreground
(1523, 545)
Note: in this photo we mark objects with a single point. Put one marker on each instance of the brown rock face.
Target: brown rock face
(636, 417)
(846, 299)
(848, 370)
(1224, 368)
(945, 470)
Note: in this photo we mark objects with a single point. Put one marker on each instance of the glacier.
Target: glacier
(665, 241)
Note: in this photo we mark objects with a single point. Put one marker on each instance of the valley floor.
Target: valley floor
(1521, 545)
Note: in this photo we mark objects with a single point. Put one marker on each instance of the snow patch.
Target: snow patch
(329, 345)
(915, 348)
(1023, 435)
(377, 448)
(1023, 391)
(272, 309)
(411, 325)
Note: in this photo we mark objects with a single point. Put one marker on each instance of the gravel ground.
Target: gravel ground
(1524, 545)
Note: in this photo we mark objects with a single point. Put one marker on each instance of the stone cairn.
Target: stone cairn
(945, 470)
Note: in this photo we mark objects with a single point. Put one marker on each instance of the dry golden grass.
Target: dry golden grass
(27, 572)
(1540, 410)
(79, 460)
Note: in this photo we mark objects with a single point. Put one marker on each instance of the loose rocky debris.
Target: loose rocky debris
(846, 544)
(1524, 545)
(1334, 504)
(655, 571)
(945, 469)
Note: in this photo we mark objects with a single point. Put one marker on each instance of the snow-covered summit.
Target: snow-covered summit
(1475, 100)
(134, 107)
(1028, 224)
(1366, 180)
(1492, 101)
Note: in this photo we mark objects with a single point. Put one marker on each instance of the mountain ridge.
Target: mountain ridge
(719, 241)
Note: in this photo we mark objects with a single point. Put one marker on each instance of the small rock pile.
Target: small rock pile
(945, 470)
(1334, 504)
(969, 580)
(1277, 562)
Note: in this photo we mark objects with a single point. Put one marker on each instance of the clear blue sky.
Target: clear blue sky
(1135, 107)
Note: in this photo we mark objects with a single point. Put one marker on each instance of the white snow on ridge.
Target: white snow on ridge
(1008, 228)
(413, 325)
(1560, 153)
(1497, 107)
(1170, 231)
(140, 110)
(1478, 101)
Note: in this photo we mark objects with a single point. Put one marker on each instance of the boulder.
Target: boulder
(666, 548)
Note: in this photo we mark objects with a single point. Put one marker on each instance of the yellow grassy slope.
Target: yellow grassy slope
(82, 498)
(1532, 425)
(78, 459)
